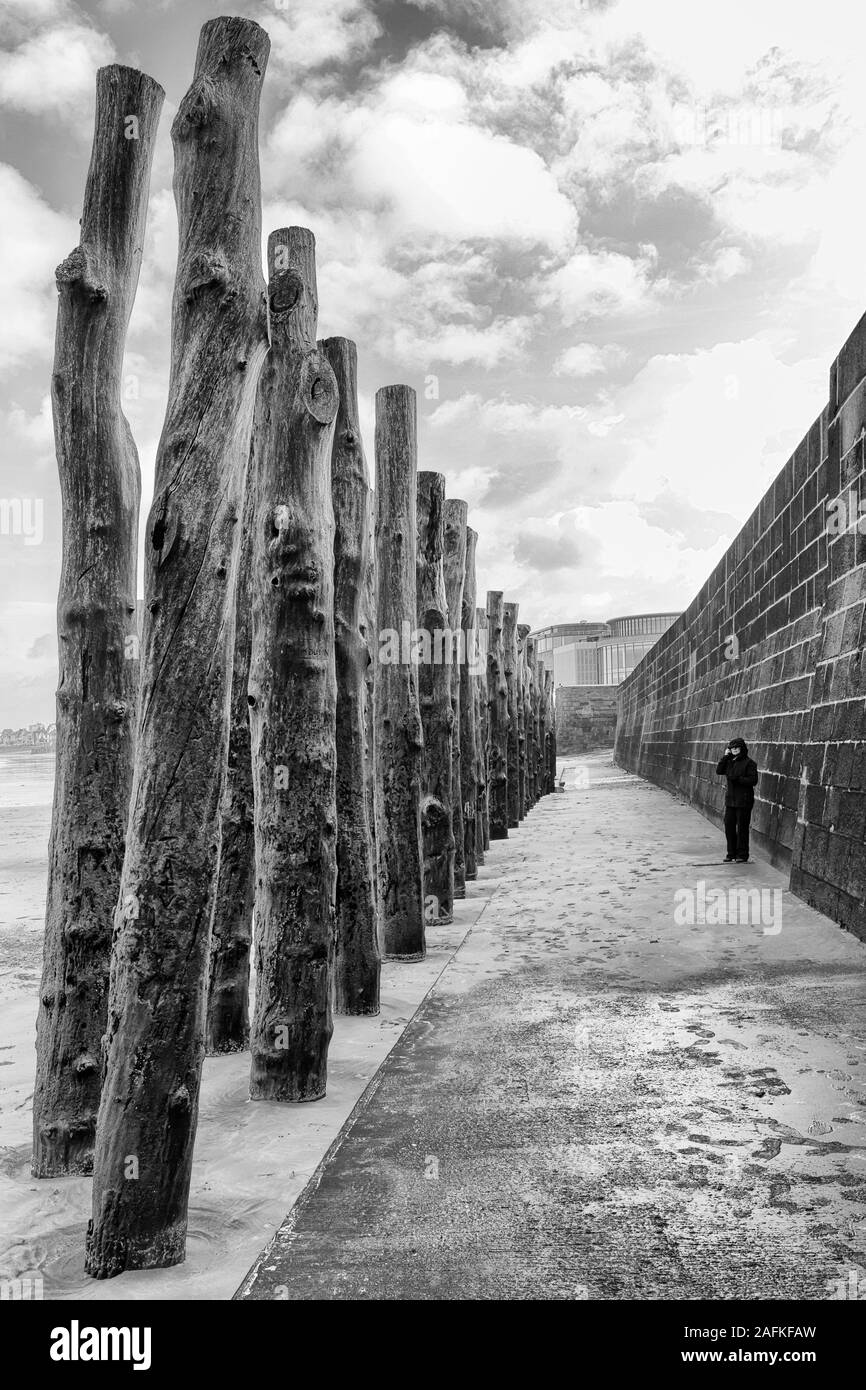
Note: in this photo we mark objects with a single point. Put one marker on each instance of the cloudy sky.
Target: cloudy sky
(613, 244)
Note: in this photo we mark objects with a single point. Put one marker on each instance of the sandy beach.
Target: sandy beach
(252, 1159)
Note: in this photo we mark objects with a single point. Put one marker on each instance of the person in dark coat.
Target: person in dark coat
(742, 776)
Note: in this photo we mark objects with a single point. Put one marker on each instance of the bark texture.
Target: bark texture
(509, 660)
(523, 631)
(549, 734)
(497, 719)
(530, 722)
(293, 690)
(228, 1012)
(538, 769)
(454, 564)
(357, 959)
(434, 691)
(482, 830)
(399, 737)
(368, 632)
(155, 1039)
(96, 622)
(469, 711)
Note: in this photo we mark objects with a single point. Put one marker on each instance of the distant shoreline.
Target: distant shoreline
(12, 748)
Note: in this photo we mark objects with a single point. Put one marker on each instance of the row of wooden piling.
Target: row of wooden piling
(274, 746)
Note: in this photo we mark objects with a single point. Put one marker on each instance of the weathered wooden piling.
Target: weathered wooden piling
(454, 565)
(434, 692)
(154, 1042)
(538, 718)
(523, 630)
(399, 738)
(482, 831)
(549, 734)
(227, 1026)
(357, 959)
(468, 711)
(367, 623)
(100, 490)
(497, 705)
(292, 690)
(512, 752)
(530, 722)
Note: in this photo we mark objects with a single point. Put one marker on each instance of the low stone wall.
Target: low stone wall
(585, 718)
(771, 649)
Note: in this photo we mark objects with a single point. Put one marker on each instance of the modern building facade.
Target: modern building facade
(582, 654)
(589, 661)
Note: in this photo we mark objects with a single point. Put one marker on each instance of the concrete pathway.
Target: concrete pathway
(606, 1096)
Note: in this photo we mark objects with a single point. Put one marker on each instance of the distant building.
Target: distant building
(582, 654)
(588, 662)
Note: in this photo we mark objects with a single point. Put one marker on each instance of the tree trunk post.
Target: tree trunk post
(551, 732)
(100, 488)
(293, 690)
(399, 737)
(228, 1016)
(530, 722)
(523, 631)
(545, 731)
(154, 1043)
(357, 959)
(482, 830)
(468, 710)
(539, 729)
(454, 564)
(509, 660)
(497, 705)
(434, 692)
(368, 631)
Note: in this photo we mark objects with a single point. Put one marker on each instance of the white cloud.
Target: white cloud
(588, 359)
(54, 71)
(33, 240)
(305, 34)
(592, 283)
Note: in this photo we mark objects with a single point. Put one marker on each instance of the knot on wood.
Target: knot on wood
(319, 390)
(197, 108)
(179, 1101)
(285, 293)
(79, 271)
(163, 531)
(206, 270)
(85, 1065)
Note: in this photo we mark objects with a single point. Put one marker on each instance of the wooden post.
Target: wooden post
(228, 1017)
(468, 710)
(538, 790)
(454, 564)
(399, 736)
(550, 727)
(293, 690)
(497, 705)
(530, 722)
(154, 1042)
(482, 828)
(545, 745)
(509, 661)
(357, 959)
(434, 691)
(368, 632)
(100, 490)
(523, 631)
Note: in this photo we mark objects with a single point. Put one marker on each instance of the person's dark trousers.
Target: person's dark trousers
(737, 830)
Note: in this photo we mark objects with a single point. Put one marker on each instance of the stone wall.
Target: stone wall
(771, 649)
(585, 718)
